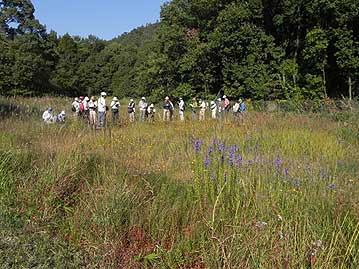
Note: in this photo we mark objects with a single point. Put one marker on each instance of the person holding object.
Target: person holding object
(142, 105)
(181, 107)
(102, 108)
(115, 107)
(131, 110)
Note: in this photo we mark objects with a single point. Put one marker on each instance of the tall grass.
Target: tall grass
(279, 190)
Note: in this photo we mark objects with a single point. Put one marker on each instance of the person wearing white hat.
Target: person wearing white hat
(131, 110)
(151, 113)
(213, 108)
(181, 107)
(115, 108)
(86, 111)
(142, 105)
(61, 116)
(101, 108)
(166, 109)
(236, 111)
(226, 107)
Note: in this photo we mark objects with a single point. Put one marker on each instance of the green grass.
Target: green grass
(140, 195)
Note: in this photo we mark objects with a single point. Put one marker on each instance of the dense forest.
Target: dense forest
(262, 49)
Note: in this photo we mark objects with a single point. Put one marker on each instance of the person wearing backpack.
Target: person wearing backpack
(131, 110)
(194, 107)
(142, 105)
(115, 107)
(75, 107)
(226, 107)
(213, 108)
(236, 110)
(167, 109)
(181, 107)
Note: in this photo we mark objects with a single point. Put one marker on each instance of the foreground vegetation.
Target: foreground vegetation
(280, 190)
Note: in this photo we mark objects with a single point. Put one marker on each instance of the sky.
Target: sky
(105, 19)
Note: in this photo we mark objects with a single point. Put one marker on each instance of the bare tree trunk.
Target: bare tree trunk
(350, 87)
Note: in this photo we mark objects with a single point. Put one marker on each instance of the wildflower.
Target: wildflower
(221, 147)
(212, 177)
(238, 160)
(239, 181)
(249, 162)
(331, 187)
(197, 145)
(233, 149)
(278, 162)
(286, 172)
(206, 162)
(230, 159)
(210, 150)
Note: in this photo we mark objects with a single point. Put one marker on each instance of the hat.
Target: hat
(63, 112)
(143, 98)
(212, 102)
(167, 98)
(103, 94)
(76, 99)
(181, 98)
(152, 105)
(49, 109)
(131, 100)
(115, 98)
(93, 98)
(219, 99)
(87, 99)
(81, 97)
(224, 96)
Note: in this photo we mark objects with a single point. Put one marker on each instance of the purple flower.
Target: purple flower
(233, 149)
(286, 172)
(238, 160)
(249, 162)
(221, 147)
(331, 187)
(212, 177)
(238, 180)
(206, 162)
(210, 150)
(278, 162)
(214, 141)
(197, 145)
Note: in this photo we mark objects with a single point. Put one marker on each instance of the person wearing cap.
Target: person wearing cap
(194, 107)
(48, 116)
(115, 107)
(142, 105)
(131, 110)
(75, 107)
(167, 109)
(181, 108)
(61, 116)
(213, 108)
(101, 108)
(151, 113)
(92, 115)
(202, 110)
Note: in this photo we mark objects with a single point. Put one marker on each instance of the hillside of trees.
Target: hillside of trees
(262, 49)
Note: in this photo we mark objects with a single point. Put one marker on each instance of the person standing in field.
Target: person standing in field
(151, 113)
(86, 111)
(48, 116)
(75, 107)
(102, 108)
(172, 110)
(194, 107)
(131, 110)
(202, 111)
(181, 108)
(213, 108)
(167, 109)
(142, 105)
(236, 111)
(220, 108)
(115, 107)
(92, 112)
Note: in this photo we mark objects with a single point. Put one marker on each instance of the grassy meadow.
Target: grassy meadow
(279, 190)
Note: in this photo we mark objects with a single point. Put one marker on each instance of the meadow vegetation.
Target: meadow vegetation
(279, 190)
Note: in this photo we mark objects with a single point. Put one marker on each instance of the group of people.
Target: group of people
(94, 111)
(49, 117)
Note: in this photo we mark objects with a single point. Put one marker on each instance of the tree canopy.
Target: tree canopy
(262, 49)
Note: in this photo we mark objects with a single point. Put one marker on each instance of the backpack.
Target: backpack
(82, 107)
(73, 108)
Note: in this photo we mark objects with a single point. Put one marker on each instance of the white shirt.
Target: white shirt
(101, 104)
(203, 105)
(115, 105)
(76, 105)
(181, 105)
(47, 116)
(92, 104)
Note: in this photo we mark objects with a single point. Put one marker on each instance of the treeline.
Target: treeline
(262, 49)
